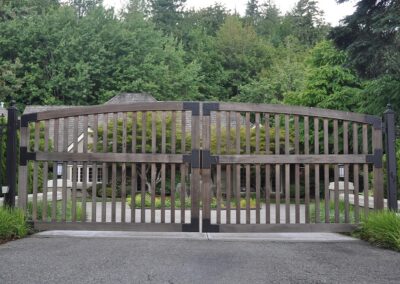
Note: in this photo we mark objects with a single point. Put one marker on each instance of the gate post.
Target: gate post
(11, 160)
(390, 146)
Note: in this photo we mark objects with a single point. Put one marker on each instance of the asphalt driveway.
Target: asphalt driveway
(193, 260)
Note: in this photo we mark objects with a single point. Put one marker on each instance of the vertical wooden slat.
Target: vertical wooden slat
(183, 167)
(277, 172)
(238, 181)
(153, 166)
(123, 168)
(326, 172)
(45, 171)
(163, 151)
(143, 180)
(316, 168)
(94, 168)
(55, 181)
(85, 168)
(206, 172)
(228, 168)
(35, 173)
(267, 172)
(65, 172)
(377, 171)
(104, 170)
(365, 169)
(346, 172)
(307, 168)
(74, 169)
(23, 172)
(247, 169)
(297, 169)
(356, 174)
(173, 166)
(336, 172)
(219, 193)
(258, 169)
(134, 169)
(196, 175)
(114, 169)
(287, 171)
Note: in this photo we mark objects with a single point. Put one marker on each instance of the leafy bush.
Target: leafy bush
(381, 228)
(332, 211)
(138, 202)
(58, 210)
(12, 223)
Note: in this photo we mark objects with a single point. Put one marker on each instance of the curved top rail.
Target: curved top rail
(376, 121)
(102, 109)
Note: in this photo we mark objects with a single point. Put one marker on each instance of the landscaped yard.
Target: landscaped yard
(58, 211)
(158, 204)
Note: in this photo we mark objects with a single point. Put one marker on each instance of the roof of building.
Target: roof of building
(126, 98)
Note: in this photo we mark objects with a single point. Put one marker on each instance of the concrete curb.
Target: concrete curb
(268, 237)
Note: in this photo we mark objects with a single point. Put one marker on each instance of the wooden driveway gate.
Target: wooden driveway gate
(164, 166)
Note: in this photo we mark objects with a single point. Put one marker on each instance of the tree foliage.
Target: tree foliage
(328, 83)
(371, 37)
(77, 52)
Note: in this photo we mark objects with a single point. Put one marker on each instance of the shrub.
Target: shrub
(188, 204)
(332, 211)
(381, 228)
(58, 211)
(12, 224)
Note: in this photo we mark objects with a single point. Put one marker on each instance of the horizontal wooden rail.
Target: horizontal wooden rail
(103, 109)
(103, 226)
(295, 159)
(271, 228)
(108, 157)
(302, 111)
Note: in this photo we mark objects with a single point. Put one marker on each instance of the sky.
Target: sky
(333, 12)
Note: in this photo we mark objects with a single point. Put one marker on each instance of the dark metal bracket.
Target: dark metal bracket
(376, 159)
(192, 227)
(193, 107)
(26, 118)
(207, 160)
(209, 228)
(376, 122)
(209, 107)
(193, 159)
(25, 156)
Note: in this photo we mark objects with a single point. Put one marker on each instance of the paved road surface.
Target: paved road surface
(193, 260)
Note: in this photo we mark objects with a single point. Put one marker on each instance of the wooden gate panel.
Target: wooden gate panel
(290, 168)
(106, 156)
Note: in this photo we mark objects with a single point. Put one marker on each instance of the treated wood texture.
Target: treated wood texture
(301, 111)
(277, 172)
(241, 162)
(55, 183)
(35, 173)
(134, 169)
(316, 172)
(297, 169)
(307, 169)
(287, 170)
(356, 171)
(106, 109)
(95, 170)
